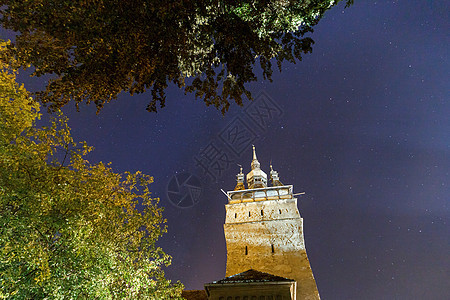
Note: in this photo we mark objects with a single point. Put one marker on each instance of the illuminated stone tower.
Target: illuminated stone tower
(264, 231)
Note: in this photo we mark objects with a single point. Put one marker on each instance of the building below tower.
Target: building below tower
(250, 285)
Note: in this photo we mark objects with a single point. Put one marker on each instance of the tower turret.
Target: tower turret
(240, 181)
(274, 177)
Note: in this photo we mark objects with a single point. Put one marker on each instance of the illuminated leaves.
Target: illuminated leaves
(70, 229)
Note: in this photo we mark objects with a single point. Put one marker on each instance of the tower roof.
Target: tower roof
(252, 276)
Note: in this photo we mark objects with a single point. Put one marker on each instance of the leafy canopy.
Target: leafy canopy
(97, 49)
(69, 229)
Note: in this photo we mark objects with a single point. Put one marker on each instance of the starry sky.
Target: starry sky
(361, 125)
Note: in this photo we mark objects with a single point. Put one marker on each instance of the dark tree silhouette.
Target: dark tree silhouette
(97, 49)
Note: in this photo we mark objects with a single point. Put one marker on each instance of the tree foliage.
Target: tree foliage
(70, 229)
(97, 49)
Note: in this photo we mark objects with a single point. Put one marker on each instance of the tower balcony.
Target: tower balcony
(260, 194)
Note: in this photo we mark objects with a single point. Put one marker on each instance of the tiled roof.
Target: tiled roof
(252, 276)
(194, 295)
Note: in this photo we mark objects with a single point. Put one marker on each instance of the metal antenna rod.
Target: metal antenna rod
(226, 194)
(302, 193)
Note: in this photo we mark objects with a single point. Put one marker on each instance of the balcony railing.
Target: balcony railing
(261, 194)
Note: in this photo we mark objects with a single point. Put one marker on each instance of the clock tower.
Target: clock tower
(264, 230)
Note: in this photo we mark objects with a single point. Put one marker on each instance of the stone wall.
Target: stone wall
(268, 236)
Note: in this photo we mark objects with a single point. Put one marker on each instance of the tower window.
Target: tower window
(249, 214)
(273, 249)
(246, 250)
(279, 211)
(262, 212)
(235, 215)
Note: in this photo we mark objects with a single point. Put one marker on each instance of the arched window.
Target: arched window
(279, 211)
(273, 249)
(235, 215)
(249, 214)
(246, 250)
(262, 212)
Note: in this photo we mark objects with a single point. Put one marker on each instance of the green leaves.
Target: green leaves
(20, 113)
(70, 229)
(98, 49)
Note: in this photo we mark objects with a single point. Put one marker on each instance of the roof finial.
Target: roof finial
(254, 153)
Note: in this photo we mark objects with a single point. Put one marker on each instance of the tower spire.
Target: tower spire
(256, 178)
(255, 163)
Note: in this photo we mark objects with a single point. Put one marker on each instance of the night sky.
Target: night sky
(361, 125)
